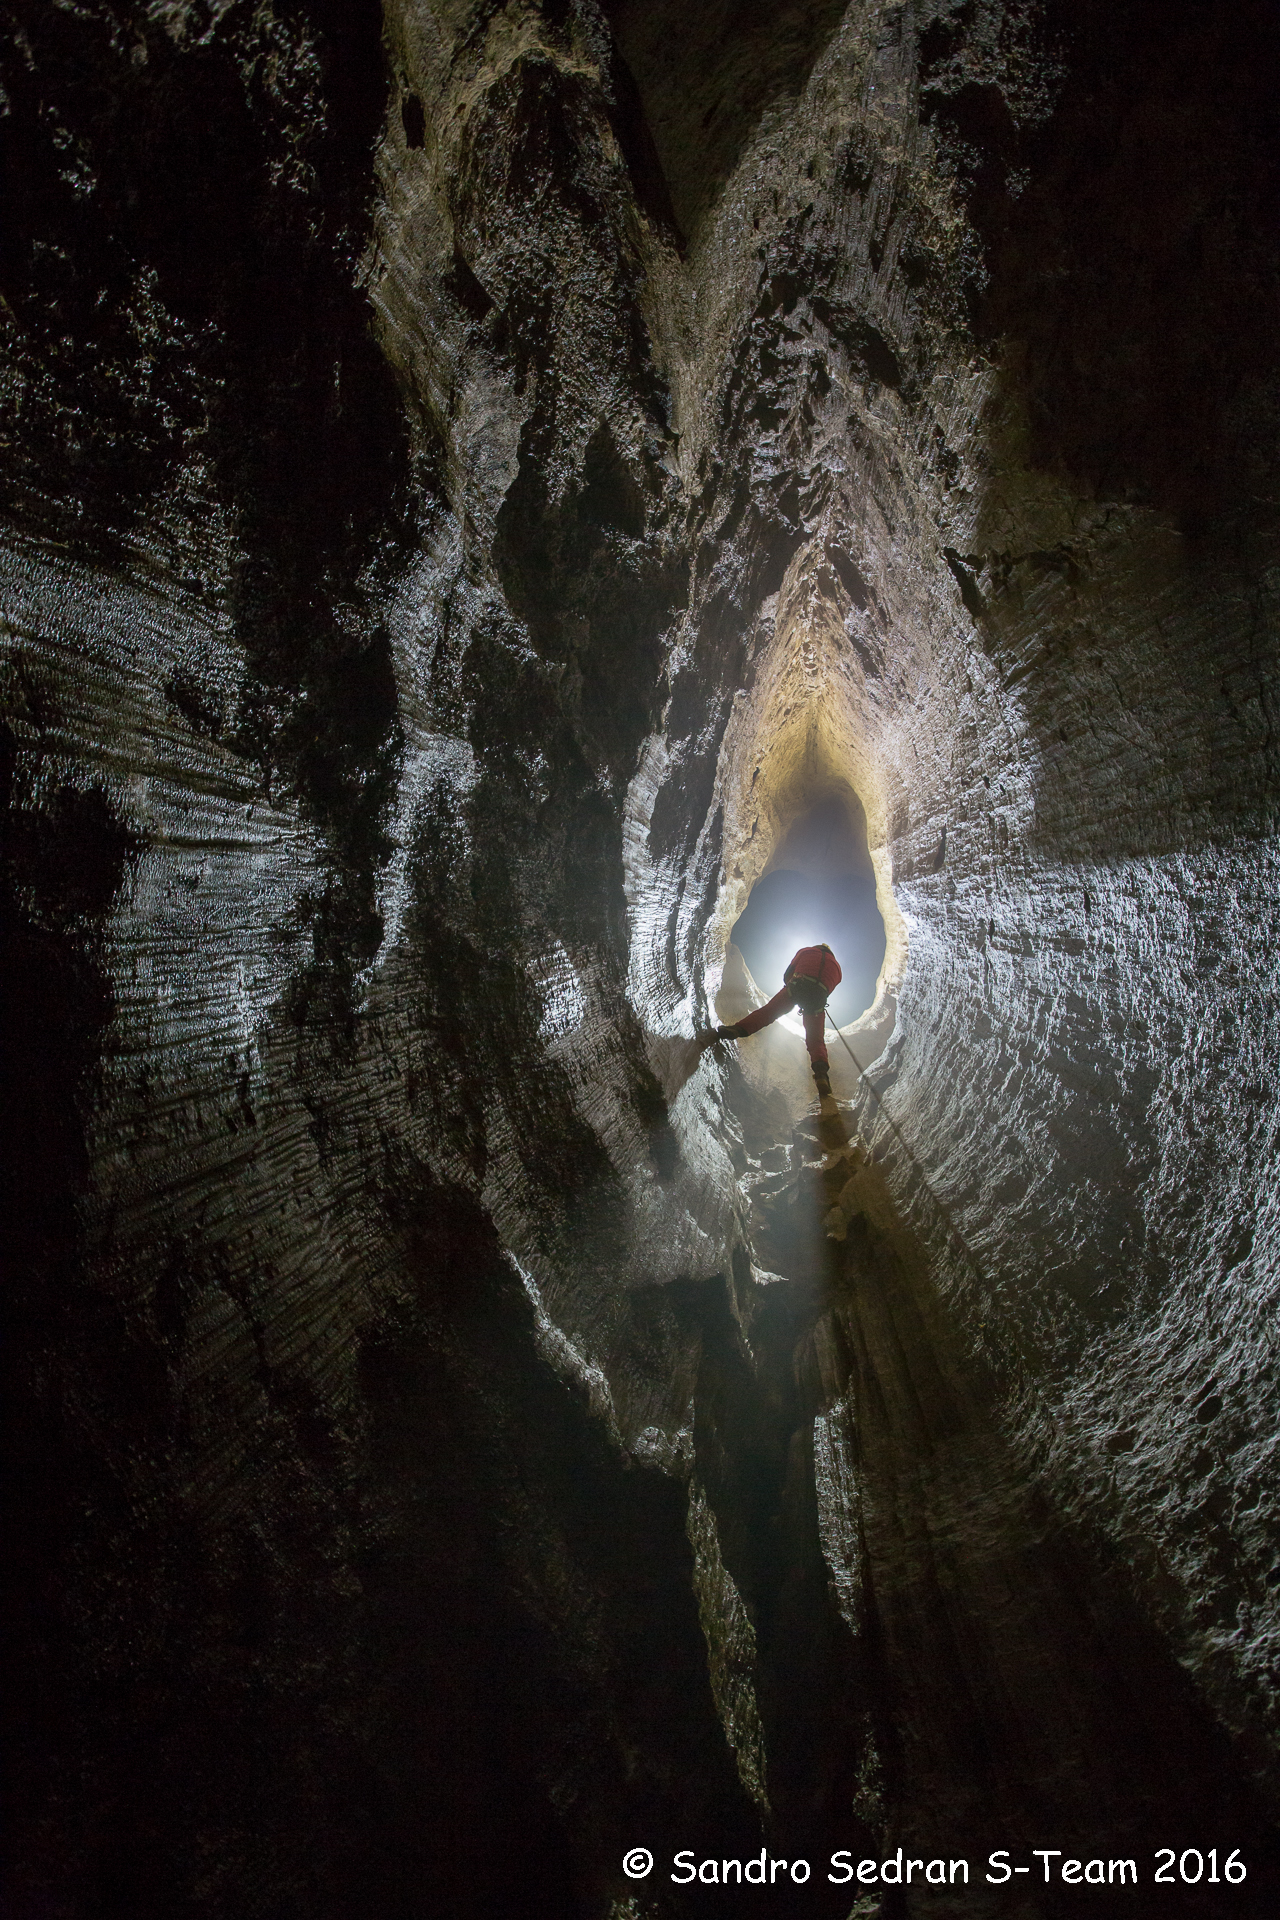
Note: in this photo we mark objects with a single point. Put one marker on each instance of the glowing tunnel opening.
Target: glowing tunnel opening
(820, 886)
(806, 782)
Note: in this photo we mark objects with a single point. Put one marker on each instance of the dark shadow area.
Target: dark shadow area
(580, 561)
(504, 1689)
(754, 1443)
(180, 317)
(706, 75)
(1024, 1688)
(1010, 1683)
(1152, 188)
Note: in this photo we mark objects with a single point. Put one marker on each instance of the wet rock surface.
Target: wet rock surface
(476, 476)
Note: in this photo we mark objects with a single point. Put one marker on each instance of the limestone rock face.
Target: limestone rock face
(476, 475)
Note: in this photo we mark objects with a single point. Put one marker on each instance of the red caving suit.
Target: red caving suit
(813, 974)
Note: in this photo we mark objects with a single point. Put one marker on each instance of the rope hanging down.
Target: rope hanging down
(894, 1128)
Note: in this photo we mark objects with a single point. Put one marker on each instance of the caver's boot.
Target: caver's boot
(822, 1076)
(729, 1033)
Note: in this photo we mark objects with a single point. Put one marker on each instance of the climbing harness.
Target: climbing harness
(809, 991)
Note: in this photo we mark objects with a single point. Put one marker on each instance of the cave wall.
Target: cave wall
(470, 467)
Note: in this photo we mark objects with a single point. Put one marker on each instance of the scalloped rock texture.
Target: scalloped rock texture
(474, 475)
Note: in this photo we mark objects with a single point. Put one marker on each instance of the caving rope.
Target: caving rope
(895, 1129)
